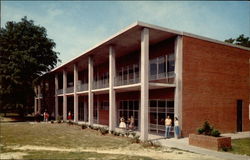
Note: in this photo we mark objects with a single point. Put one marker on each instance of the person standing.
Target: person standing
(168, 123)
(176, 128)
(69, 116)
(45, 116)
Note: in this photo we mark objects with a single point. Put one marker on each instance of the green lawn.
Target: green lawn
(241, 146)
(25, 140)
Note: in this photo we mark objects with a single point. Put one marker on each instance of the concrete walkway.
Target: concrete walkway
(182, 144)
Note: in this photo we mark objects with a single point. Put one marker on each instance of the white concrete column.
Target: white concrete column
(144, 83)
(112, 98)
(64, 95)
(75, 95)
(178, 80)
(90, 94)
(35, 104)
(56, 97)
(39, 98)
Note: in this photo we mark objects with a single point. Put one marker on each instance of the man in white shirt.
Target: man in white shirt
(168, 123)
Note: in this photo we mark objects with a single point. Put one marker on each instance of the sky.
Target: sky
(76, 26)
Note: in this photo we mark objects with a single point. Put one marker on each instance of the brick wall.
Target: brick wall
(214, 77)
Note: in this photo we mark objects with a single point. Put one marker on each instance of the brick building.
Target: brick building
(148, 72)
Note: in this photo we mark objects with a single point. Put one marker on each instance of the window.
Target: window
(171, 63)
(161, 65)
(159, 109)
(153, 67)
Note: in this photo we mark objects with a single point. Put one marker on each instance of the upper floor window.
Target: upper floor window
(160, 67)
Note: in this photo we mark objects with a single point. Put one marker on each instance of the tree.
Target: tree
(25, 53)
(241, 40)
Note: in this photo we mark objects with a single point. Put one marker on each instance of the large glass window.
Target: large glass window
(153, 67)
(158, 111)
(128, 108)
(159, 67)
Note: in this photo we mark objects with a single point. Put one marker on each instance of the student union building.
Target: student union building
(149, 72)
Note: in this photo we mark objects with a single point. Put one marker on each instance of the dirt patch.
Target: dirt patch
(12, 155)
(156, 154)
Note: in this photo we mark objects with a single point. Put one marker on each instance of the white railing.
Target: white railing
(119, 81)
(101, 84)
(164, 75)
(70, 90)
(60, 91)
(39, 95)
(82, 87)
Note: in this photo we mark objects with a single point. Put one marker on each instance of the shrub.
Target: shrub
(84, 126)
(127, 134)
(150, 144)
(136, 139)
(200, 130)
(116, 133)
(215, 133)
(51, 121)
(133, 134)
(70, 122)
(208, 130)
(59, 119)
(103, 131)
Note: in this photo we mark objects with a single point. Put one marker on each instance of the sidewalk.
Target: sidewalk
(183, 145)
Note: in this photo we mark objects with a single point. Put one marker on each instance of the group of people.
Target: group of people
(45, 116)
(130, 123)
(168, 125)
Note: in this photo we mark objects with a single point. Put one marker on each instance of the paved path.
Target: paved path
(183, 145)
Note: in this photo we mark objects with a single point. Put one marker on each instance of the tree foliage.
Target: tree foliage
(241, 40)
(26, 52)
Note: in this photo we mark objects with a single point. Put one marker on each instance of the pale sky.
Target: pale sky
(77, 26)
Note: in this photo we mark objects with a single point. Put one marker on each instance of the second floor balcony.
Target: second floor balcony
(120, 80)
(101, 84)
(70, 89)
(82, 87)
(164, 75)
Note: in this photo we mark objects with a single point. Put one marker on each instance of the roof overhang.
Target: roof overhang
(127, 41)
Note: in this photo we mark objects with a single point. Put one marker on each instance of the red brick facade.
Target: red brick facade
(215, 76)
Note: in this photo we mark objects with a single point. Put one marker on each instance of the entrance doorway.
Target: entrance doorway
(239, 115)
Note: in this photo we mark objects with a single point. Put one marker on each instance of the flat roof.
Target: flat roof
(133, 29)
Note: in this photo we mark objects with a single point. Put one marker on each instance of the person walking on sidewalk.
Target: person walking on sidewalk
(168, 123)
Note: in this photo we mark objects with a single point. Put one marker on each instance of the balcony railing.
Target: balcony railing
(82, 87)
(101, 84)
(70, 90)
(159, 76)
(39, 95)
(60, 91)
(119, 81)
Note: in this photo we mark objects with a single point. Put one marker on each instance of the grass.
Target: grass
(63, 136)
(25, 140)
(241, 146)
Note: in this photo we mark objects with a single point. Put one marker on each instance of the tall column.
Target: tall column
(64, 95)
(144, 83)
(56, 97)
(90, 94)
(112, 99)
(35, 104)
(178, 80)
(39, 98)
(75, 95)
